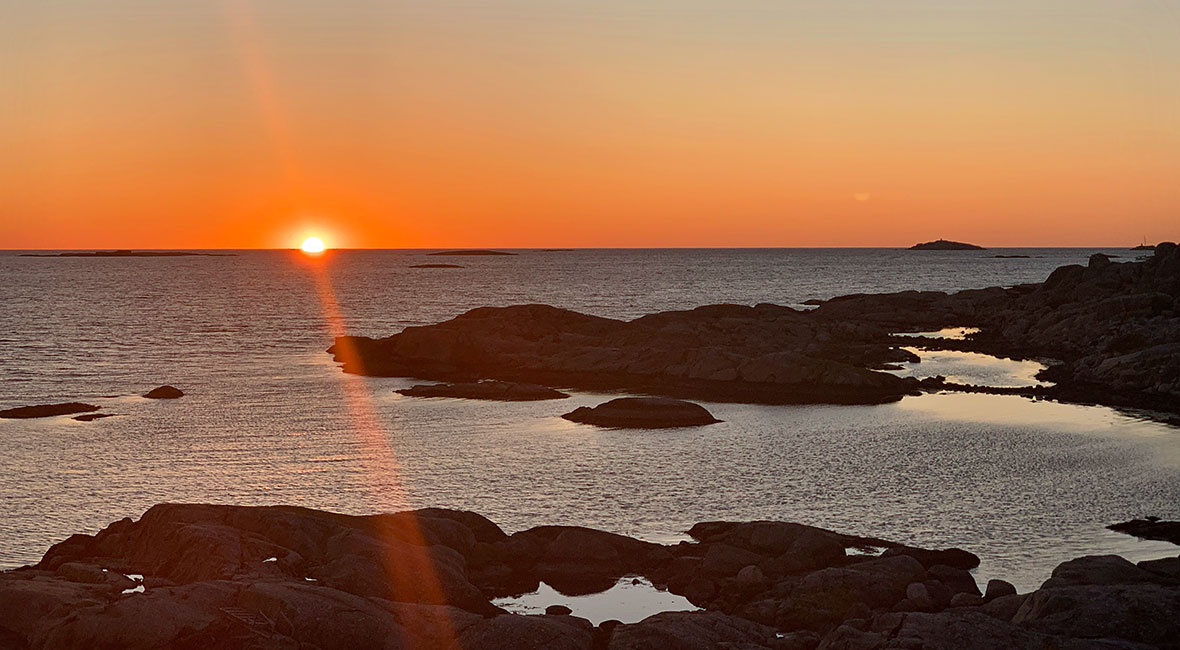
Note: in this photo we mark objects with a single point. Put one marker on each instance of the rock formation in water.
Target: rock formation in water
(436, 266)
(643, 413)
(764, 354)
(47, 410)
(1115, 328)
(945, 245)
(489, 389)
(285, 577)
(1150, 528)
(164, 392)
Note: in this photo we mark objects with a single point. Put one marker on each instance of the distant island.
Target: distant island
(1144, 247)
(945, 245)
(474, 251)
(125, 253)
(435, 266)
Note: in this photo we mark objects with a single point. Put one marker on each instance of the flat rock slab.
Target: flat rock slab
(504, 391)
(164, 392)
(1150, 528)
(47, 410)
(643, 413)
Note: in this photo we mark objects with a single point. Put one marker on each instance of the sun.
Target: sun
(313, 245)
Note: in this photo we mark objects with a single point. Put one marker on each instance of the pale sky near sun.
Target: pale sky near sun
(258, 123)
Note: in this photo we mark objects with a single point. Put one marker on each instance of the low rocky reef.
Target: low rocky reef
(489, 389)
(1113, 327)
(47, 410)
(283, 577)
(643, 413)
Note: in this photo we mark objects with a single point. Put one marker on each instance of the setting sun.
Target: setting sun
(313, 245)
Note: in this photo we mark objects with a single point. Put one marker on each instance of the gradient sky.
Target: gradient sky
(445, 123)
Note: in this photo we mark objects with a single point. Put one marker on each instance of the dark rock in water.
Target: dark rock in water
(1150, 528)
(558, 610)
(945, 245)
(490, 389)
(474, 251)
(47, 410)
(762, 354)
(436, 266)
(164, 392)
(90, 417)
(643, 413)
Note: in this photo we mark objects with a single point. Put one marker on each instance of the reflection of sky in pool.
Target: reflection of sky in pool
(953, 333)
(972, 368)
(631, 600)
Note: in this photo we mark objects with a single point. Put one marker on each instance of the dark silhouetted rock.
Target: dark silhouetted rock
(690, 631)
(762, 354)
(643, 413)
(47, 410)
(164, 392)
(558, 610)
(945, 245)
(90, 417)
(488, 389)
(997, 588)
(1150, 528)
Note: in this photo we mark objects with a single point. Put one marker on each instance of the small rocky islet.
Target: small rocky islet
(193, 575)
(946, 245)
(1111, 329)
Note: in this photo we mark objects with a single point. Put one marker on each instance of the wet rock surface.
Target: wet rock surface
(490, 389)
(47, 410)
(288, 577)
(643, 413)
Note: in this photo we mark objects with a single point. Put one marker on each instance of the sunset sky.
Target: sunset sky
(534, 123)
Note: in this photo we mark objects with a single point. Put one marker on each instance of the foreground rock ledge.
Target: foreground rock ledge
(287, 577)
(643, 413)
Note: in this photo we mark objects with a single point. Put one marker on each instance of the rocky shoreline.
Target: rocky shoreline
(1111, 329)
(197, 576)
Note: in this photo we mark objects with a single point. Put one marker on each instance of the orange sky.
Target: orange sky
(530, 123)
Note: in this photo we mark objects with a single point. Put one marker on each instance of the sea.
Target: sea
(269, 418)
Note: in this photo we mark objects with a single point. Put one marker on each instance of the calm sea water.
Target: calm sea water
(270, 419)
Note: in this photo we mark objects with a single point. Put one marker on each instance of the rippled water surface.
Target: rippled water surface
(268, 418)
